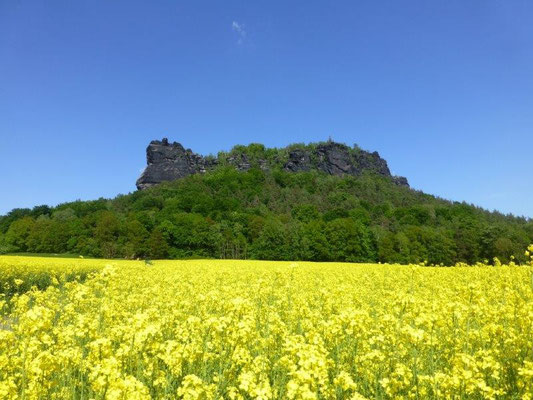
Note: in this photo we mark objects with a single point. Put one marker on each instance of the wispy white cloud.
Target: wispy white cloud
(239, 29)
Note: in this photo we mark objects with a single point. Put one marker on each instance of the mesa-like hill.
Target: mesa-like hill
(321, 202)
(170, 161)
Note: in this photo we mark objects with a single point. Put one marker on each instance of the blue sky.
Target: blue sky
(441, 89)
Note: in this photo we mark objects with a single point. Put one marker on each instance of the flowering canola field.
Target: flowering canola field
(265, 330)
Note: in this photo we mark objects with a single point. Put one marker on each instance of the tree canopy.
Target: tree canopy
(274, 215)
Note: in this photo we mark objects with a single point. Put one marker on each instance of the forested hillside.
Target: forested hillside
(275, 215)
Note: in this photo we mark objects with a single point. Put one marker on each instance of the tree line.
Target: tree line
(274, 215)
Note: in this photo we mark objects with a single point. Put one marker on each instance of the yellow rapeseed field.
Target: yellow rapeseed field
(263, 330)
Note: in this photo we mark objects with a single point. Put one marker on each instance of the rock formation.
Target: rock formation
(169, 161)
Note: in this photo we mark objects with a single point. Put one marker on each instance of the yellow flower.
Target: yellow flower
(205, 329)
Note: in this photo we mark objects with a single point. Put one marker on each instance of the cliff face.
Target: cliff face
(169, 161)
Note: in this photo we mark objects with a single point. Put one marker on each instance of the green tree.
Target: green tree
(350, 240)
(272, 242)
(18, 232)
(135, 241)
(157, 246)
(106, 234)
(312, 243)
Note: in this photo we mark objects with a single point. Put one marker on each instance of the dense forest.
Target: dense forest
(274, 215)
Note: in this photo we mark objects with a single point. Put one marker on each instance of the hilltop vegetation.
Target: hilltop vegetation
(170, 161)
(276, 215)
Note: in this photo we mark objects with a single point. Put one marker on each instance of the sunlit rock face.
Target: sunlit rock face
(170, 161)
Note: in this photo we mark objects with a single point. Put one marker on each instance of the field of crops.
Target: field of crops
(263, 330)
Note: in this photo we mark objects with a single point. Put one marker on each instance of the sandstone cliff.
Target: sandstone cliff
(169, 161)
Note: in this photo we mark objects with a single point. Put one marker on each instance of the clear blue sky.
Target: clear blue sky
(442, 89)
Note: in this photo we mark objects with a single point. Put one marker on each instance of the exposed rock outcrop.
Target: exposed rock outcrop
(169, 161)
(299, 161)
